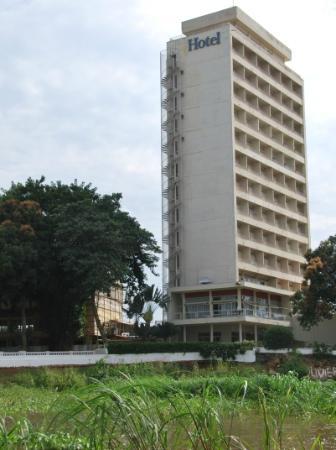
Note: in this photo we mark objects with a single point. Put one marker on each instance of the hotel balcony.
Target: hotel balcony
(229, 312)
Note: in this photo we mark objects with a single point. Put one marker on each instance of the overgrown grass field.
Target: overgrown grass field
(165, 407)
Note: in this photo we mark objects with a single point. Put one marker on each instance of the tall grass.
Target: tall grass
(133, 416)
(181, 410)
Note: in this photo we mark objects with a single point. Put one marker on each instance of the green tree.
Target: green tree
(317, 298)
(138, 304)
(19, 256)
(87, 244)
(165, 330)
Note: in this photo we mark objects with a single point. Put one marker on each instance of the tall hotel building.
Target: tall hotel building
(234, 187)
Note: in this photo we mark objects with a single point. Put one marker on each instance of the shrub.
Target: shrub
(294, 365)
(206, 349)
(322, 351)
(278, 337)
(57, 379)
(100, 371)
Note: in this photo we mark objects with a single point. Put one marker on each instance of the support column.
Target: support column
(254, 303)
(211, 332)
(269, 311)
(240, 332)
(239, 305)
(210, 304)
(184, 333)
(183, 306)
(255, 333)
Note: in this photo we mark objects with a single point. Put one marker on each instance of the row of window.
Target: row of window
(268, 110)
(270, 195)
(269, 175)
(246, 141)
(256, 278)
(283, 139)
(251, 233)
(266, 216)
(266, 88)
(267, 68)
(268, 261)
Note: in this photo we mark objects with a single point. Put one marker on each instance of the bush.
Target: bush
(57, 379)
(322, 351)
(206, 349)
(278, 337)
(294, 365)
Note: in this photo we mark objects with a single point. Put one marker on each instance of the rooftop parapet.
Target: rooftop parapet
(238, 18)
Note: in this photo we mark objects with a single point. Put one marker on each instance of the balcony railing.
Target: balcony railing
(229, 309)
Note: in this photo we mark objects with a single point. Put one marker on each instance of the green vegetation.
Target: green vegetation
(59, 245)
(160, 406)
(278, 337)
(323, 351)
(295, 365)
(206, 349)
(316, 300)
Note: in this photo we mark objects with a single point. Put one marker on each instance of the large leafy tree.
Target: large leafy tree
(19, 221)
(317, 298)
(86, 244)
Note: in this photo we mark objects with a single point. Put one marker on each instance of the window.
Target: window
(175, 103)
(234, 336)
(204, 337)
(29, 326)
(176, 170)
(228, 309)
(175, 148)
(176, 192)
(177, 215)
(248, 336)
(197, 311)
(177, 238)
(217, 336)
(177, 259)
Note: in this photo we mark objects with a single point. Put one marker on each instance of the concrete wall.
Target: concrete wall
(207, 208)
(48, 359)
(325, 332)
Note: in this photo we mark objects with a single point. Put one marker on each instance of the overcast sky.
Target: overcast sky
(79, 92)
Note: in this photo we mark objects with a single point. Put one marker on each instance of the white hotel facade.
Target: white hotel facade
(234, 182)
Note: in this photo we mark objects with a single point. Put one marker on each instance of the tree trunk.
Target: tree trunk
(24, 326)
(95, 305)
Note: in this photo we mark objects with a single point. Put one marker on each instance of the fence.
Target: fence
(86, 358)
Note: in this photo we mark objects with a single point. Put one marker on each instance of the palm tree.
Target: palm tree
(149, 295)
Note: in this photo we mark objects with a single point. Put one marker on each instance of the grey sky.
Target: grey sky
(79, 92)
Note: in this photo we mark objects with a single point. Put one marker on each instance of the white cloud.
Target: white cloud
(79, 90)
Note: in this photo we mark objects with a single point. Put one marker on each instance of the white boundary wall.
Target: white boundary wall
(86, 358)
(48, 359)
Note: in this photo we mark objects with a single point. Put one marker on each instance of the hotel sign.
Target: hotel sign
(196, 43)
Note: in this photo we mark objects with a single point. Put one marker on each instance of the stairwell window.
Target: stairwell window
(177, 261)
